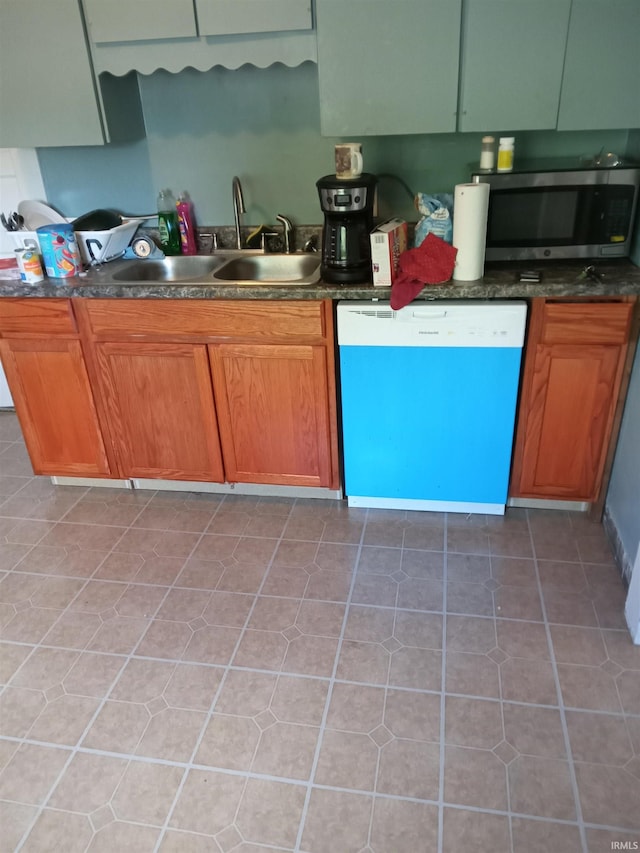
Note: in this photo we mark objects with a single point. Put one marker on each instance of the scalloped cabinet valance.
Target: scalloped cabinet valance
(146, 35)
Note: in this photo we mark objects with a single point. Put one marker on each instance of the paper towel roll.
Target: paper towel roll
(470, 207)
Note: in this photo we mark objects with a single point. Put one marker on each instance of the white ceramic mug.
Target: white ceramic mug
(348, 160)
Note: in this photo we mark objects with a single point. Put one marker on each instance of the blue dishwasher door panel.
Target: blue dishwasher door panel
(429, 423)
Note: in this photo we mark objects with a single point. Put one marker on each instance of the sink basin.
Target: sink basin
(270, 269)
(181, 269)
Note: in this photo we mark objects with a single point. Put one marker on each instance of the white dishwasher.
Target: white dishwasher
(429, 398)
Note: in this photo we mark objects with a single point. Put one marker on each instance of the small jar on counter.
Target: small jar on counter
(487, 154)
(505, 154)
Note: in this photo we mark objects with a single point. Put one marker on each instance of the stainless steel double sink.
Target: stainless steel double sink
(243, 268)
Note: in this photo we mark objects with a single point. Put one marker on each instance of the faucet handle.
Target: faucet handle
(288, 231)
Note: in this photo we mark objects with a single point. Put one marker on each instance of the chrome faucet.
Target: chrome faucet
(287, 232)
(238, 208)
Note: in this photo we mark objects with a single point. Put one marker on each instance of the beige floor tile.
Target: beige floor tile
(56, 830)
(417, 668)
(608, 795)
(229, 743)
(73, 630)
(118, 727)
(44, 669)
(171, 734)
(599, 738)
(369, 624)
(200, 574)
(588, 687)
(409, 769)
(20, 707)
(575, 645)
(140, 600)
(165, 639)
(471, 674)
(124, 837)
(211, 644)
(64, 720)
(534, 731)
(473, 722)
(473, 599)
(119, 635)
(146, 792)
(88, 783)
(307, 655)
(347, 760)
(403, 826)
(541, 836)
(15, 819)
(474, 777)
(621, 649)
(468, 568)
(478, 831)
(423, 630)
(470, 634)
(409, 714)
(246, 693)
(528, 681)
(192, 686)
(11, 659)
(516, 602)
(567, 608)
(628, 685)
(375, 590)
(418, 594)
(208, 802)
(286, 750)
(175, 841)
(321, 618)
(31, 772)
(356, 707)
(30, 625)
(541, 787)
(522, 639)
(183, 605)
(514, 571)
(228, 608)
(380, 560)
(299, 700)
(243, 577)
(274, 614)
(336, 820)
(336, 558)
(261, 650)
(327, 585)
(270, 812)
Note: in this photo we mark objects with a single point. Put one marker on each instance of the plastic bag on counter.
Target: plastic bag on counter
(437, 216)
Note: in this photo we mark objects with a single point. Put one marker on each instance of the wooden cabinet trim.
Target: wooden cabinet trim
(584, 323)
(202, 321)
(38, 318)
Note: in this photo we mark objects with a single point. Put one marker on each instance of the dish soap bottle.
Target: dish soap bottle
(168, 223)
(185, 223)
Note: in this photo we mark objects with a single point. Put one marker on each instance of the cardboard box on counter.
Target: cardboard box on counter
(388, 240)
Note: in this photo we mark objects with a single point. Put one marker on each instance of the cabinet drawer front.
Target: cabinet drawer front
(36, 317)
(181, 318)
(598, 323)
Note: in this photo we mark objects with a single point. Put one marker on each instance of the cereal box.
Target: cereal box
(388, 240)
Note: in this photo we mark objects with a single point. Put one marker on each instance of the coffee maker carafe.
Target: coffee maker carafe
(348, 220)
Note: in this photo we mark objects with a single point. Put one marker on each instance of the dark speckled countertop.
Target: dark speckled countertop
(501, 281)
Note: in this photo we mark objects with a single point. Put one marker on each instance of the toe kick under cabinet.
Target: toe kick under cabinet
(224, 391)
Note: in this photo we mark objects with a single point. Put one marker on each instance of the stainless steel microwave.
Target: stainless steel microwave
(574, 213)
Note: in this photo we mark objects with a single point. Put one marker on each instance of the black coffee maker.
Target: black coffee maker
(348, 220)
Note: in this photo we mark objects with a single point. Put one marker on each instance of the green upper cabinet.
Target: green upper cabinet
(147, 20)
(601, 85)
(511, 63)
(388, 67)
(227, 17)
(139, 20)
(49, 95)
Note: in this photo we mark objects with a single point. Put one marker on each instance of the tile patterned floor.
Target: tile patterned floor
(196, 673)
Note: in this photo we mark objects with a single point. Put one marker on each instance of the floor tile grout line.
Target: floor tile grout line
(560, 698)
(212, 706)
(327, 704)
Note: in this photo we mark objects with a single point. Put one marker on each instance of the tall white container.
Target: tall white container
(470, 209)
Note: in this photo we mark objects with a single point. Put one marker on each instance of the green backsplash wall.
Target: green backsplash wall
(264, 126)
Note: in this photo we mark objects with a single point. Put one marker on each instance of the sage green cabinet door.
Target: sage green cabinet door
(601, 84)
(388, 67)
(139, 20)
(228, 17)
(511, 64)
(48, 94)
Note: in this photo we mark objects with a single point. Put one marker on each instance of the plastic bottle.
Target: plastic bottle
(505, 154)
(168, 223)
(487, 154)
(186, 225)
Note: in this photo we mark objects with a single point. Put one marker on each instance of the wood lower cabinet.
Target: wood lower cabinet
(161, 411)
(54, 403)
(573, 370)
(215, 391)
(273, 412)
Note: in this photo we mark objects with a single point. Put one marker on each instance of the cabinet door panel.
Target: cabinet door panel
(388, 68)
(227, 17)
(139, 20)
(161, 408)
(273, 410)
(571, 406)
(600, 87)
(48, 94)
(54, 403)
(512, 59)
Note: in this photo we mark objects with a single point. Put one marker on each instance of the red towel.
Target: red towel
(431, 262)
